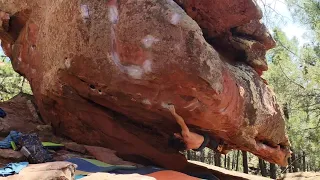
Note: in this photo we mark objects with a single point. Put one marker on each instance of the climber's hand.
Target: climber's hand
(172, 109)
(4, 16)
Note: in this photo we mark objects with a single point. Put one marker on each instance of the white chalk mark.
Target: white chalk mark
(241, 91)
(193, 105)
(146, 102)
(147, 66)
(67, 63)
(175, 19)
(116, 60)
(222, 110)
(134, 71)
(165, 105)
(194, 102)
(149, 40)
(85, 12)
(113, 14)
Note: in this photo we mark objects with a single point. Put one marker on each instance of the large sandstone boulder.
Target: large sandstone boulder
(102, 73)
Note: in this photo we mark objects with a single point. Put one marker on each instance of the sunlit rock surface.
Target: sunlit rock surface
(103, 71)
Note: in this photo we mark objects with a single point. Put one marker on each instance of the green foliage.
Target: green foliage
(307, 12)
(294, 76)
(11, 83)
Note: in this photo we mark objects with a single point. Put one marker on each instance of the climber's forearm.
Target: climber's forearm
(181, 122)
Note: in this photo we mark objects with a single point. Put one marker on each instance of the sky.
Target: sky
(281, 17)
(278, 12)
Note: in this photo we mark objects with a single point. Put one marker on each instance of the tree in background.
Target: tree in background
(245, 162)
(11, 83)
(307, 12)
(262, 167)
(295, 77)
(273, 171)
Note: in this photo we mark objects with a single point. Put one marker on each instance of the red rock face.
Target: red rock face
(20, 106)
(102, 74)
(233, 28)
(219, 16)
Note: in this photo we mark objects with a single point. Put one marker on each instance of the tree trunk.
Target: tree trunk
(228, 162)
(191, 155)
(290, 165)
(303, 161)
(245, 162)
(217, 159)
(262, 168)
(286, 111)
(233, 160)
(294, 162)
(188, 155)
(225, 161)
(22, 84)
(197, 156)
(298, 160)
(209, 157)
(202, 156)
(273, 171)
(237, 165)
(212, 158)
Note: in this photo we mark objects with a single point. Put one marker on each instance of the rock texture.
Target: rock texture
(102, 73)
(301, 175)
(222, 173)
(53, 170)
(19, 114)
(233, 28)
(10, 154)
(107, 155)
(21, 106)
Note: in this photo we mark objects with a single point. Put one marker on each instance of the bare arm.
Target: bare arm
(185, 130)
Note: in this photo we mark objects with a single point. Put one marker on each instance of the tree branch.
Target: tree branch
(299, 85)
(292, 163)
(311, 128)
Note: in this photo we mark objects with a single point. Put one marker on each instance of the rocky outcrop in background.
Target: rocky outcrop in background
(102, 73)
